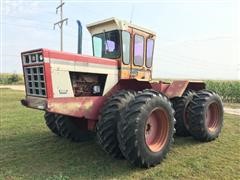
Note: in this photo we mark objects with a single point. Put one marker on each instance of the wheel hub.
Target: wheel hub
(156, 129)
(212, 117)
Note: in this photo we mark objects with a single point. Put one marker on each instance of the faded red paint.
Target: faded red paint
(160, 86)
(176, 89)
(129, 84)
(48, 80)
(78, 57)
(82, 107)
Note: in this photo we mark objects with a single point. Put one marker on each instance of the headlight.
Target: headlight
(40, 57)
(96, 89)
(26, 59)
(33, 57)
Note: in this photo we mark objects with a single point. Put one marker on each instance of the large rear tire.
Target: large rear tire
(107, 125)
(205, 116)
(146, 129)
(73, 128)
(180, 105)
(50, 120)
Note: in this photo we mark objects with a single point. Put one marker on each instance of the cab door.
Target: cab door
(139, 70)
(138, 52)
(136, 57)
(126, 55)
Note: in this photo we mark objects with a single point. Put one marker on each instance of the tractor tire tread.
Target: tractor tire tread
(127, 128)
(197, 117)
(180, 106)
(106, 128)
(50, 120)
(70, 130)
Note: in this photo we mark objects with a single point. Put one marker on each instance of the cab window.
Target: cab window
(138, 50)
(107, 45)
(149, 54)
(126, 47)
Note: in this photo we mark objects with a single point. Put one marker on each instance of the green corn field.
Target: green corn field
(228, 90)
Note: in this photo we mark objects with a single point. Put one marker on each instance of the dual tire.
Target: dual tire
(139, 127)
(107, 125)
(146, 129)
(199, 114)
(68, 127)
(205, 116)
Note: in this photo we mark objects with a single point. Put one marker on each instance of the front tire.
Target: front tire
(74, 129)
(50, 120)
(205, 116)
(107, 125)
(145, 132)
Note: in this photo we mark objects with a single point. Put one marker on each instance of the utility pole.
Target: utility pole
(61, 22)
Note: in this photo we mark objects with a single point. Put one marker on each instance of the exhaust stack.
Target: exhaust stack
(79, 51)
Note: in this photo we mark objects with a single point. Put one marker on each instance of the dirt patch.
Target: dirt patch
(232, 111)
(14, 87)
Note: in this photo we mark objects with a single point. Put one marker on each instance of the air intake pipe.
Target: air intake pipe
(79, 50)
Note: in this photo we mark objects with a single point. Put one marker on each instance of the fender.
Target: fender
(171, 90)
(177, 88)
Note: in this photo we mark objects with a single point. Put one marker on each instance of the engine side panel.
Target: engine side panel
(68, 76)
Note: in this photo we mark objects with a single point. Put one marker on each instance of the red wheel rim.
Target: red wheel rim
(213, 117)
(156, 129)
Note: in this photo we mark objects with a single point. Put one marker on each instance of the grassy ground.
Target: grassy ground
(30, 151)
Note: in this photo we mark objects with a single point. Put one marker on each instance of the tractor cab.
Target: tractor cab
(132, 46)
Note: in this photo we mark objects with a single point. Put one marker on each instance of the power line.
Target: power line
(33, 27)
(32, 20)
(186, 64)
(195, 60)
(61, 22)
(132, 11)
(25, 26)
(24, 18)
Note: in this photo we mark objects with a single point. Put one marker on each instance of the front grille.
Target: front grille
(35, 81)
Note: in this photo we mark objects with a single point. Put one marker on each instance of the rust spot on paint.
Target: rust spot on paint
(176, 88)
(87, 105)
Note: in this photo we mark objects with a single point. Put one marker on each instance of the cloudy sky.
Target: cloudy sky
(196, 39)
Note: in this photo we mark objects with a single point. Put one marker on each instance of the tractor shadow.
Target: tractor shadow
(185, 141)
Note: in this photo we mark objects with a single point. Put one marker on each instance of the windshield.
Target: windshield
(107, 45)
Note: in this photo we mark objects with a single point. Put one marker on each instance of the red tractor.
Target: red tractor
(111, 94)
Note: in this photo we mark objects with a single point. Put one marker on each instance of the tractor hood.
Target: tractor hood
(68, 74)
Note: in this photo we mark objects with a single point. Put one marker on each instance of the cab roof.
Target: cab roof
(114, 24)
